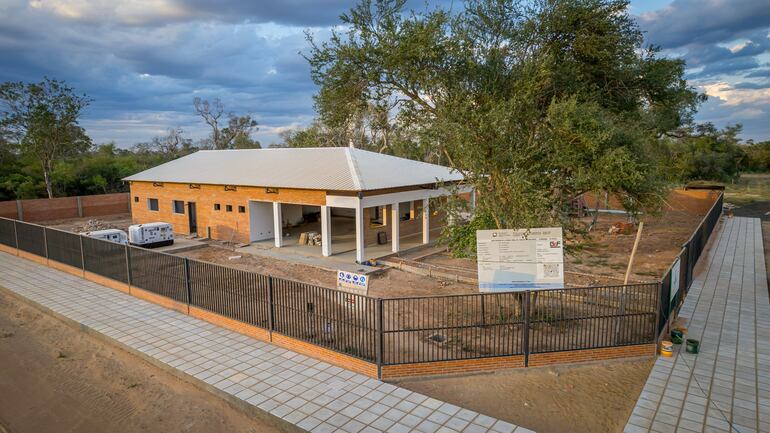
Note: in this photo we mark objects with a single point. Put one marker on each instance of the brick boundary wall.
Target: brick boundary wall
(348, 362)
(574, 356)
(48, 209)
(452, 367)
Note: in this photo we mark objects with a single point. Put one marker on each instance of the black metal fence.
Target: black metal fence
(677, 280)
(387, 331)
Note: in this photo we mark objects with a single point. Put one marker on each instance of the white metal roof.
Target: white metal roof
(321, 168)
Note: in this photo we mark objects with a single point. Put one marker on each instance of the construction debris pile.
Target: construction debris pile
(310, 238)
(94, 224)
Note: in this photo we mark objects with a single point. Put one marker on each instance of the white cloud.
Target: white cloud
(735, 97)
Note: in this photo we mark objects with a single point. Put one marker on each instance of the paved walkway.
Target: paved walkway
(725, 388)
(312, 395)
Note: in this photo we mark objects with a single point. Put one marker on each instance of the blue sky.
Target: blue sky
(143, 61)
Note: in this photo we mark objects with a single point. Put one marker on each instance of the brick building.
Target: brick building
(353, 198)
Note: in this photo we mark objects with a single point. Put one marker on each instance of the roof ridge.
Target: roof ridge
(354, 171)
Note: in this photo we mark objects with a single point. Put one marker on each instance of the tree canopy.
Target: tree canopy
(534, 102)
(43, 118)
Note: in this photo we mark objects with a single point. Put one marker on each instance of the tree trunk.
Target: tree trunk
(48, 186)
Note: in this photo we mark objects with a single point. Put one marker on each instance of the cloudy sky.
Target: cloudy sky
(143, 61)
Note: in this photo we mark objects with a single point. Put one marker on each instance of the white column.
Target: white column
(395, 222)
(360, 233)
(277, 224)
(326, 231)
(425, 221)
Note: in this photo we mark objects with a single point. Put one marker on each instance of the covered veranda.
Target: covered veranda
(348, 231)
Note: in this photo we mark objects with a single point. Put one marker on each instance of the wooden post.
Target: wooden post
(633, 252)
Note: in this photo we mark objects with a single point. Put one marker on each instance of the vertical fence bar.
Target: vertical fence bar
(16, 237)
(525, 343)
(45, 243)
(270, 307)
(379, 336)
(128, 269)
(82, 254)
(187, 283)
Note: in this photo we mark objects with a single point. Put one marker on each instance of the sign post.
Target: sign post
(354, 284)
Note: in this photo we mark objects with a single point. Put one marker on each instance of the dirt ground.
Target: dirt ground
(601, 260)
(597, 397)
(77, 225)
(56, 379)
(388, 283)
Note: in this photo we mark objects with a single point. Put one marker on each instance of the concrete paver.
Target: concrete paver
(314, 396)
(726, 387)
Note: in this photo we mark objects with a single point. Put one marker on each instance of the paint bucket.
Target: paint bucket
(693, 346)
(677, 336)
(666, 348)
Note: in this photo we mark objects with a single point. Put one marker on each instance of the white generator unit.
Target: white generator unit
(113, 235)
(151, 235)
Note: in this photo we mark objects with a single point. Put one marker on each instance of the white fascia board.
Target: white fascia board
(398, 197)
(352, 202)
(349, 202)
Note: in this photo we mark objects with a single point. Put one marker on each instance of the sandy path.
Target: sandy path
(597, 397)
(54, 378)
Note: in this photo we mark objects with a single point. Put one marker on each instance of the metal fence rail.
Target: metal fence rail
(31, 238)
(104, 258)
(395, 330)
(64, 247)
(237, 294)
(329, 318)
(452, 327)
(7, 232)
(159, 273)
(675, 285)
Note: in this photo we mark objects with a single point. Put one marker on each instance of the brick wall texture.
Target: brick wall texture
(48, 209)
(234, 225)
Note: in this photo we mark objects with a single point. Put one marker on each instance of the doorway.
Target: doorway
(192, 218)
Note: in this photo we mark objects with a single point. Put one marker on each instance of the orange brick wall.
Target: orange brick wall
(452, 367)
(45, 209)
(104, 281)
(233, 325)
(104, 204)
(330, 356)
(224, 225)
(8, 209)
(157, 299)
(572, 356)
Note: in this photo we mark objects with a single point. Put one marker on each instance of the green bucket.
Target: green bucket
(677, 336)
(693, 346)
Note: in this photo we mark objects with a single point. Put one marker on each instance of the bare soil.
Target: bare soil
(77, 225)
(600, 260)
(55, 378)
(597, 397)
(387, 284)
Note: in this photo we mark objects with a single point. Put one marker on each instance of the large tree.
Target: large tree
(42, 118)
(228, 130)
(534, 102)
